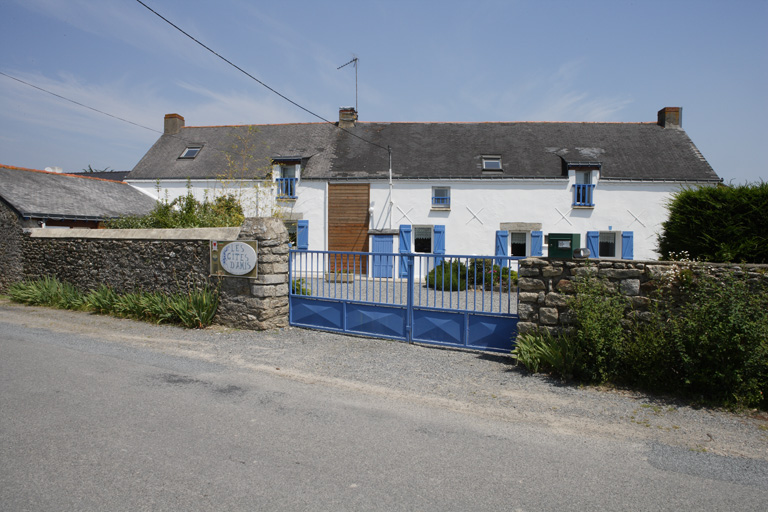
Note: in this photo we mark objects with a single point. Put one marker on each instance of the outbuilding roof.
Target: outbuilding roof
(47, 195)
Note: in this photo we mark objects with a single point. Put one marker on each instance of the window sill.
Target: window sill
(441, 208)
(291, 199)
(583, 206)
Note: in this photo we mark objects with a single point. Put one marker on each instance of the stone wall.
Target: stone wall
(260, 303)
(11, 268)
(545, 284)
(172, 260)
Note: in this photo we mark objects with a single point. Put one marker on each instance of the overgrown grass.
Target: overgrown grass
(194, 309)
(705, 338)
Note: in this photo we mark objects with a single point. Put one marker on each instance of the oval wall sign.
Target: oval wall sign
(238, 258)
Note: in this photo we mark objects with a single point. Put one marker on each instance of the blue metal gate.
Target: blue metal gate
(458, 301)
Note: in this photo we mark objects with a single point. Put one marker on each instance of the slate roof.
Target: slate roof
(635, 151)
(626, 151)
(46, 195)
(104, 175)
(224, 147)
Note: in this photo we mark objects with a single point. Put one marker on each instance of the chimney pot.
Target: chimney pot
(173, 124)
(347, 117)
(671, 117)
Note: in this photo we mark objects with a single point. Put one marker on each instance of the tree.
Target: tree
(718, 224)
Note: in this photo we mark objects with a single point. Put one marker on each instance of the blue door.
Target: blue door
(383, 264)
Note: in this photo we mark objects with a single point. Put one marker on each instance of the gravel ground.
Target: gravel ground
(471, 382)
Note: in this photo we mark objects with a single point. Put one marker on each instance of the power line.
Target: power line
(188, 141)
(79, 104)
(286, 98)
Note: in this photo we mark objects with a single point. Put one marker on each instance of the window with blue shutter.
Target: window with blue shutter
(537, 243)
(404, 248)
(439, 241)
(627, 245)
(502, 243)
(593, 244)
(302, 235)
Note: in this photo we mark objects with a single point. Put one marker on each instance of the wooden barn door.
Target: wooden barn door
(348, 225)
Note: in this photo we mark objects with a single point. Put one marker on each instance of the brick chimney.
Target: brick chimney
(671, 117)
(347, 117)
(173, 124)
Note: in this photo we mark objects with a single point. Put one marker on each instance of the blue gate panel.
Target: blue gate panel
(488, 332)
(375, 320)
(434, 326)
(321, 314)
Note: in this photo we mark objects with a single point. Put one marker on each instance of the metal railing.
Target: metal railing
(583, 195)
(286, 187)
(453, 282)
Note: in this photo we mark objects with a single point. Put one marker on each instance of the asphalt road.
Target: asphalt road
(87, 424)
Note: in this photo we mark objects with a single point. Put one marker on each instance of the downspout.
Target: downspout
(391, 201)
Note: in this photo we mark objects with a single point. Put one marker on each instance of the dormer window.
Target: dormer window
(286, 174)
(191, 152)
(492, 163)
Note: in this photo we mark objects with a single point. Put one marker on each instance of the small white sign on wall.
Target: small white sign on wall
(234, 258)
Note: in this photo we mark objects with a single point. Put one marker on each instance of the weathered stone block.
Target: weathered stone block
(555, 299)
(548, 316)
(525, 311)
(551, 272)
(621, 273)
(529, 284)
(528, 272)
(528, 296)
(630, 287)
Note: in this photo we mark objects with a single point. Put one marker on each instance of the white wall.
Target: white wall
(478, 208)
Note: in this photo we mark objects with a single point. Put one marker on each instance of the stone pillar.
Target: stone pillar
(260, 303)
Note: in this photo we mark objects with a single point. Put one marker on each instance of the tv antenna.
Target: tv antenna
(354, 64)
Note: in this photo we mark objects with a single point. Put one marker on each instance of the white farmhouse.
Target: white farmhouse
(512, 188)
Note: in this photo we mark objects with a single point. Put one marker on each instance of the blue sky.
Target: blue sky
(615, 61)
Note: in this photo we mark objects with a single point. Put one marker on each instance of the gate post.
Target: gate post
(408, 259)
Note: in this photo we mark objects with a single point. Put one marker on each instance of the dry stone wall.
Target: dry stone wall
(546, 283)
(11, 269)
(170, 261)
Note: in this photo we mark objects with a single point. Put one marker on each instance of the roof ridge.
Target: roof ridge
(245, 125)
(16, 168)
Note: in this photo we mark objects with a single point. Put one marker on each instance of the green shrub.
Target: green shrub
(196, 308)
(186, 212)
(482, 272)
(704, 338)
(47, 291)
(101, 300)
(718, 224)
(598, 330)
(299, 287)
(448, 276)
(721, 330)
(542, 350)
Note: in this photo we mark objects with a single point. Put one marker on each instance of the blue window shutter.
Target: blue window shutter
(537, 243)
(502, 246)
(302, 235)
(405, 248)
(439, 242)
(593, 244)
(627, 245)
